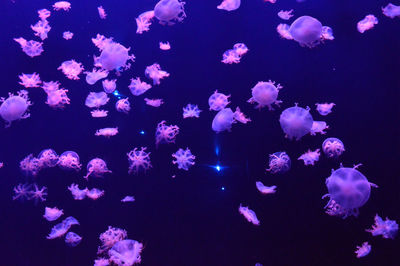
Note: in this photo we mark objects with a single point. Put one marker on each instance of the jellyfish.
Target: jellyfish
(97, 168)
(30, 165)
(64, 5)
(95, 75)
(111, 236)
(296, 122)
(72, 239)
(30, 48)
(123, 105)
(15, 107)
(324, 108)
(333, 147)
(101, 262)
(22, 192)
(264, 189)
(138, 159)
(71, 69)
(48, 158)
(217, 101)
(279, 163)
(137, 87)
(169, 11)
(44, 14)
(114, 56)
(283, 30)
(184, 159)
(128, 199)
(367, 23)
(224, 119)
(386, 228)
(109, 86)
(58, 99)
(271, 1)
(240, 48)
(349, 189)
(99, 113)
(30, 80)
(229, 5)
(102, 12)
(155, 73)
(51, 86)
(52, 214)
(265, 94)
(37, 194)
(165, 46)
(107, 132)
(318, 127)
(363, 250)
(126, 252)
(154, 102)
(191, 110)
(249, 214)
(69, 160)
(391, 10)
(94, 193)
(310, 157)
(41, 28)
(68, 35)
(96, 99)
(61, 228)
(77, 194)
(166, 134)
(230, 57)
(143, 22)
(285, 15)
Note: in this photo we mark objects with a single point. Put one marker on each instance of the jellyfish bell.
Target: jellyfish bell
(296, 122)
(15, 107)
(69, 160)
(114, 56)
(168, 11)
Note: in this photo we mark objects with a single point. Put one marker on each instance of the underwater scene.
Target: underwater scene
(199, 132)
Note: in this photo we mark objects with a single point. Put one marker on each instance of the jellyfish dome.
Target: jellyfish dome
(348, 190)
(96, 167)
(114, 56)
(296, 122)
(168, 11)
(126, 252)
(333, 147)
(69, 160)
(308, 31)
(48, 158)
(265, 94)
(15, 107)
(223, 120)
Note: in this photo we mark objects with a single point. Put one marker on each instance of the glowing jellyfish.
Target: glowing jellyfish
(107, 132)
(184, 159)
(296, 122)
(51, 86)
(169, 11)
(218, 101)
(52, 214)
(155, 73)
(154, 102)
(363, 250)
(128, 199)
(333, 147)
(348, 191)
(37, 193)
(230, 57)
(138, 159)
(229, 5)
(31, 48)
(279, 163)
(96, 99)
(165, 46)
(123, 106)
(224, 119)
(367, 23)
(30, 165)
(286, 15)
(41, 28)
(318, 127)
(68, 35)
(111, 236)
(137, 87)
(57, 99)
(166, 134)
(191, 110)
(48, 158)
(264, 189)
(101, 262)
(249, 214)
(283, 30)
(77, 194)
(71, 69)
(310, 157)
(30, 80)
(72, 239)
(15, 107)
(386, 228)
(391, 10)
(94, 193)
(97, 168)
(44, 14)
(99, 113)
(271, 1)
(143, 22)
(69, 160)
(64, 5)
(240, 48)
(61, 228)
(109, 86)
(324, 108)
(114, 56)
(102, 12)
(95, 75)
(22, 192)
(265, 94)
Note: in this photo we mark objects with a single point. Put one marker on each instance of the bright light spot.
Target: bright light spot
(116, 93)
(141, 132)
(222, 188)
(217, 167)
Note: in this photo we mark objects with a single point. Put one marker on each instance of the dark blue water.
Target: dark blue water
(190, 220)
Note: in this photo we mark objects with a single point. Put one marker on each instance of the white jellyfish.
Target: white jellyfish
(296, 122)
(96, 99)
(229, 5)
(143, 22)
(30, 80)
(191, 110)
(15, 107)
(265, 94)
(169, 11)
(224, 119)
(95, 75)
(333, 147)
(71, 69)
(64, 5)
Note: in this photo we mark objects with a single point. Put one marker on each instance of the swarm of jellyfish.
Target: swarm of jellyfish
(265, 94)
(138, 159)
(386, 228)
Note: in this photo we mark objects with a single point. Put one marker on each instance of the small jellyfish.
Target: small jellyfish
(114, 56)
(71, 69)
(283, 30)
(77, 194)
(191, 110)
(72, 239)
(68, 35)
(229, 5)
(363, 250)
(69, 160)
(230, 57)
(349, 189)
(324, 108)
(22, 192)
(37, 194)
(138, 159)
(107, 132)
(391, 10)
(166, 134)
(101, 42)
(296, 122)
(109, 86)
(143, 21)
(333, 147)
(240, 48)
(101, 262)
(15, 107)
(240, 117)
(111, 236)
(184, 159)
(286, 15)
(48, 158)
(271, 1)
(138, 87)
(155, 73)
(31, 48)
(218, 101)
(367, 23)
(264, 189)
(64, 5)
(97, 168)
(44, 14)
(52, 214)
(50, 86)
(249, 214)
(58, 99)
(165, 46)
(95, 75)
(30, 165)
(310, 157)
(386, 228)
(41, 28)
(169, 11)
(30, 80)
(318, 127)
(99, 113)
(128, 199)
(102, 12)
(279, 163)
(94, 193)
(61, 228)
(96, 99)
(154, 102)
(123, 106)
(224, 119)
(265, 94)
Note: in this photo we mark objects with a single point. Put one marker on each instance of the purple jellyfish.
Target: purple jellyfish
(296, 122)
(333, 147)
(265, 94)
(279, 163)
(69, 160)
(96, 99)
(224, 119)
(217, 101)
(72, 239)
(15, 107)
(48, 158)
(96, 167)
(168, 11)
(114, 56)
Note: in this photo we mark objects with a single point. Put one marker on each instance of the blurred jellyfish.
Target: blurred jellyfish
(363, 250)
(249, 214)
(169, 11)
(333, 147)
(44, 14)
(30, 80)
(318, 127)
(324, 108)
(109, 86)
(386, 228)
(166, 134)
(52, 214)
(296, 122)
(99, 113)
(95, 75)
(191, 110)
(224, 119)
(279, 163)
(111, 236)
(57, 99)
(128, 199)
(41, 28)
(165, 46)
(310, 157)
(229, 5)
(69, 160)
(123, 106)
(348, 191)
(367, 23)
(143, 22)
(114, 56)
(31, 48)
(96, 99)
(61, 228)
(50, 86)
(22, 192)
(217, 101)
(107, 132)
(77, 194)
(137, 87)
(72, 239)
(138, 159)
(271, 1)
(285, 15)
(240, 117)
(240, 48)
(37, 194)
(102, 12)
(101, 262)
(264, 189)
(391, 10)
(184, 159)
(154, 102)
(48, 158)
(30, 165)
(230, 57)
(15, 107)
(101, 41)
(94, 193)
(155, 73)
(68, 35)
(71, 69)
(283, 30)
(64, 5)
(97, 168)
(265, 94)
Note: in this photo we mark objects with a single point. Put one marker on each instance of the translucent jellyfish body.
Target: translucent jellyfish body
(97, 168)
(107, 132)
(229, 5)
(44, 14)
(348, 191)
(52, 214)
(22, 192)
(296, 122)
(367, 23)
(48, 158)
(72, 239)
(128, 199)
(137, 87)
(96, 99)
(41, 28)
(95, 75)
(60, 229)
(126, 252)
(30, 165)
(279, 163)
(109, 86)
(324, 108)
(265, 94)
(264, 189)
(114, 56)
(38, 194)
(318, 127)
(333, 147)
(123, 106)
(155, 73)
(166, 134)
(183, 158)
(111, 236)
(57, 99)
(15, 107)
(286, 15)
(31, 48)
(391, 10)
(363, 250)
(386, 228)
(169, 11)
(154, 102)
(249, 214)
(191, 110)
(30, 80)
(62, 5)
(310, 157)
(138, 160)
(234, 55)
(99, 113)
(143, 21)
(68, 35)
(94, 193)
(218, 101)
(224, 119)
(77, 194)
(71, 69)
(69, 160)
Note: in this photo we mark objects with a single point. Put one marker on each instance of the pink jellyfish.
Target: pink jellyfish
(99, 113)
(143, 22)
(138, 159)
(94, 193)
(102, 12)
(111, 236)
(37, 194)
(285, 15)
(169, 11)
(96, 99)
(57, 99)
(363, 250)
(72, 239)
(386, 228)
(69, 160)
(230, 57)
(48, 158)
(114, 56)
(279, 163)
(296, 122)
(154, 102)
(15, 107)
(264, 189)
(52, 214)
(96, 167)
(30, 80)
(123, 105)
(166, 134)
(391, 10)
(229, 5)
(31, 48)
(265, 94)
(107, 132)
(95, 75)
(155, 73)
(224, 119)
(44, 14)
(138, 87)
(64, 5)
(218, 101)
(367, 23)
(310, 157)
(318, 127)
(184, 159)
(324, 108)
(22, 192)
(333, 147)
(30, 165)
(60, 229)
(191, 110)
(249, 214)
(165, 46)
(78, 194)
(41, 28)
(68, 35)
(126, 252)
(71, 69)
(109, 86)
(348, 190)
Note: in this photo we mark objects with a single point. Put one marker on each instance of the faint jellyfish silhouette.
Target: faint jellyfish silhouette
(249, 214)
(15, 107)
(69, 160)
(128, 199)
(102, 12)
(123, 106)
(296, 122)
(324, 108)
(367, 23)
(286, 15)
(30, 48)
(68, 35)
(218, 101)
(52, 214)
(37, 194)
(391, 10)
(97, 168)
(96, 99)
(22, 192)
(229, 5)
(333, 147)
(169, 11)
(154, 102)
(386, 228)
(264, 189)
(72, 239)
(30, 165)
(138, 159)
(77, 194)
(279, 163)
(184, 159)
(126, 252)
(363, 250)
(265, 94)
(94, 193)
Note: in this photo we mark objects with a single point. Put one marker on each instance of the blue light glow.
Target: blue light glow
(142, 132)
(222, 188)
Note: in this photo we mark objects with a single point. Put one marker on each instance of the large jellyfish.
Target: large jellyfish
(31, 48)
(333, 147)
(296, 122)
(114, 56)
(15, 107)
(229, 5)
(279, 162)
(265, 94)
(96, 167)
(169, 11)
(391, 10)
(96, 99)
(138, 159)
(387, 228)
(184, 159)
(69, 160)
(348, 190)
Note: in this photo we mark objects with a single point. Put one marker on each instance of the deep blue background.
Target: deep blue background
(189, 220)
